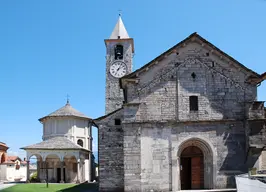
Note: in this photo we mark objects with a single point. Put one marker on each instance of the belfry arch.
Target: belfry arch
(200, 155)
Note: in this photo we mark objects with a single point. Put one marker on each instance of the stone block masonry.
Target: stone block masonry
(144, 153)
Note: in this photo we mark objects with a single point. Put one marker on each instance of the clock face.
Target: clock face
(118, 69)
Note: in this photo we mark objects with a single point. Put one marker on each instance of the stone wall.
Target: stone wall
(262, 163)
(164, 88)
(113, 94)
(111, 154)
(155, 158)
(257, 133)
(150, 153)
(132, 157)
(157, 121)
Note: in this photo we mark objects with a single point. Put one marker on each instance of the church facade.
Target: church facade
(189, 119)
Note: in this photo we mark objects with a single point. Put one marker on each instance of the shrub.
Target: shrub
(33, 177)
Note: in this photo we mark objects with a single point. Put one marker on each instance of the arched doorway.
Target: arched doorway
(71, 170)
(35, 164)
(196, 158)
(192, 168)
(52, 169)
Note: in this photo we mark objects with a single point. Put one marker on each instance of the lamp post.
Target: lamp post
(46, 171)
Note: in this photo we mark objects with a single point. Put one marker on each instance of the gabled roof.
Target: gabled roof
(107, 115)
(12, 158)
(66, 111)
(263, 76)
(192, 37)
(119, 31)
(53, 143)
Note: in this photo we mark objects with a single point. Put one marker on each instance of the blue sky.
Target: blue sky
(49, 49)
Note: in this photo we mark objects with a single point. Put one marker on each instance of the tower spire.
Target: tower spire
(119, 31)
(119, 49)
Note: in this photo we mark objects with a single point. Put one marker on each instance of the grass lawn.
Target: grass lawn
(41, 187)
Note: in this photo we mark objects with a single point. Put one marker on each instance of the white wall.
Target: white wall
(73, 128)
(87, 170)
(12, 173)
(2, 172)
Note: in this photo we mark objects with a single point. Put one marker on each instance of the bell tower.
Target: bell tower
(119, 56)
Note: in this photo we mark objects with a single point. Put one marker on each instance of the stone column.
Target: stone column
(62, 172)
(55, 169)
(28, 170)
(82, 172)
(90, 162)
(38, 169)
(78, 181)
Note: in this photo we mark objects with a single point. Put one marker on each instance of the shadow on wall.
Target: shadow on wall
(220, 98)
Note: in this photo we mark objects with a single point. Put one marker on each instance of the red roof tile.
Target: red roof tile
(12, 158)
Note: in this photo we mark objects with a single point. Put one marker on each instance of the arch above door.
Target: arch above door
(209, 159)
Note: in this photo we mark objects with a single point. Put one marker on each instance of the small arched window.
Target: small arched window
(80, 142)
(118, 52)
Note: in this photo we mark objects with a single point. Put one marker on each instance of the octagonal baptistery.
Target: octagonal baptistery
(65, 152)
(70, 123)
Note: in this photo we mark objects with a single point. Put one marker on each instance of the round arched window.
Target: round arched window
(80, 142)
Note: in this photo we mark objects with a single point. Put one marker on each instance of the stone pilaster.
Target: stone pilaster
(28, 170)
(62, 172)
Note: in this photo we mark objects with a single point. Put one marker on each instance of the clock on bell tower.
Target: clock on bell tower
(119, 56)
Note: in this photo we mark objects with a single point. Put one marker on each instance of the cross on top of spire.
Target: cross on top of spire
(67, 99)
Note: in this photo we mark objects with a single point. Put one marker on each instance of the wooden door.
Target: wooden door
(197, 172)
(185, 173)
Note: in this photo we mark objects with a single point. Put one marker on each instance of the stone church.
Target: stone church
(188, 119)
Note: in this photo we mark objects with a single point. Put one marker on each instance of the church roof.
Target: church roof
(12, 159)
(59, 143)
(198, 38)
(66, 111)
(263, 76)
(107, 115)
(119, 31)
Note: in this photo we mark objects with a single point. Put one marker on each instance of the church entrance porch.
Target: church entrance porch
(192, 168)
(55, 170)
(59, 167)
(61, 161)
